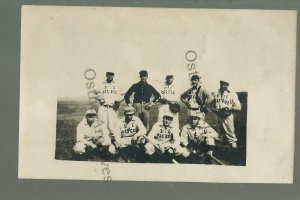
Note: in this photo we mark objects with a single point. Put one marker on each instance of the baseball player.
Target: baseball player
(169, 98)
(90, 135)
(197, 97)
(142, 94)
(225, 103)
(110, 98)
(129, 138)
(197, 137)
(163, 139)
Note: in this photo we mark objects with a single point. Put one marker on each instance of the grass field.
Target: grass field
(70, 113)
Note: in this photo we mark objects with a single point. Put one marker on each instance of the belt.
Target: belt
(142, 102)
(194, 108)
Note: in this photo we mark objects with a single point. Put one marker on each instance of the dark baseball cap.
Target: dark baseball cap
(143, 73)
(110, 73)
(169, 76)
(224, 83)
(194, 77)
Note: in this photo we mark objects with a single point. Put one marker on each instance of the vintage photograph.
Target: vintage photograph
(157, 94)
(150, 124)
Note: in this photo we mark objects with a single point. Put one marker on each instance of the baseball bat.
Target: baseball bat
(217, 160)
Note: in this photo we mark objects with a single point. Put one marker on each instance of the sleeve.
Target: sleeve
(141, 128)
(212, 133)
(156, 94)
(184, 95)
(184, 136)
(236, 105)
(154, 131)
(79, 134)
(209, 96)
(118, 132)
(176, 136)
(129, 93)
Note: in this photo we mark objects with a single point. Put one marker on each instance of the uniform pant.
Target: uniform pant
(187, 151)
(142, 113)
(172, 149)
(81, 148)
(110, 117)
(228, 127)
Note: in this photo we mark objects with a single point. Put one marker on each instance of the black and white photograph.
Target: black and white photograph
(155, 94)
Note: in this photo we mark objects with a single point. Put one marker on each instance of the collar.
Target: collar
(162, 124)
(143, 83)
(224, 91)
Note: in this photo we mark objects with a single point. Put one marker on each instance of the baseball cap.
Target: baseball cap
(143, 73)
(129, 110)
(195, 113)
(168, 115)
(90, 112)
(110, 73)
(222, 82)
(169, 76)
(194, 77)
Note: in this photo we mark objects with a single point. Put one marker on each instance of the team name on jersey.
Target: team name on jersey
(224, 99)
(109, 90)
(129, 130)
(168, 90)
(164, 134)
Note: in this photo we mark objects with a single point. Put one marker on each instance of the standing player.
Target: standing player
(169, 98)
(197, 97)
(225, 103)
(163, 137)
(90, 136)
(142, 94)
(198, 137)
(129, 137)
(110, 99)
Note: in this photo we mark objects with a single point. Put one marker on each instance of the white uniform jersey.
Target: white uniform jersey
(135, 126)
(169, 92)
(110, 92)
(164, 134)
(227, 100)
(85, 132)
(188, 133)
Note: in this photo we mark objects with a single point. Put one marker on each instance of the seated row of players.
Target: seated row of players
(164, 141)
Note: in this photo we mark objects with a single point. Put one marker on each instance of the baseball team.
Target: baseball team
(131, 138)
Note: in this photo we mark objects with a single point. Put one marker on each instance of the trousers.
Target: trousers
(142, 113)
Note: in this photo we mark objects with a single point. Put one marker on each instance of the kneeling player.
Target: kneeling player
(198, 137)
(129, 138)
(163, 140)
(90, 136)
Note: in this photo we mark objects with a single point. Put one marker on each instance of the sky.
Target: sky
(230, 45)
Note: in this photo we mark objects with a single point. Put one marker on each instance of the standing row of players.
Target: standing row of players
(129, 134)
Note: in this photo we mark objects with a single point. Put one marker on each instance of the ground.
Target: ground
(70, 113)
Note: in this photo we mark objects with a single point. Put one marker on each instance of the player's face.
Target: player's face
(167, 121)
(170, 81)
(223, 87)
(194, 121)
(143, 78)
(109, 78)
(195, 82)
(91, 118)
(129, 117)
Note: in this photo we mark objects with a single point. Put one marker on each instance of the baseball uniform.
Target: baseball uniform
(167, 137)
(192, 138)
(227, 100)
(88, 136)
(109, 93)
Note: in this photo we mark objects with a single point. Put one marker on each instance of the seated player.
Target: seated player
(163, 140)
(197, 137)
(173, 108)
(129, 138)
(90, 136)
